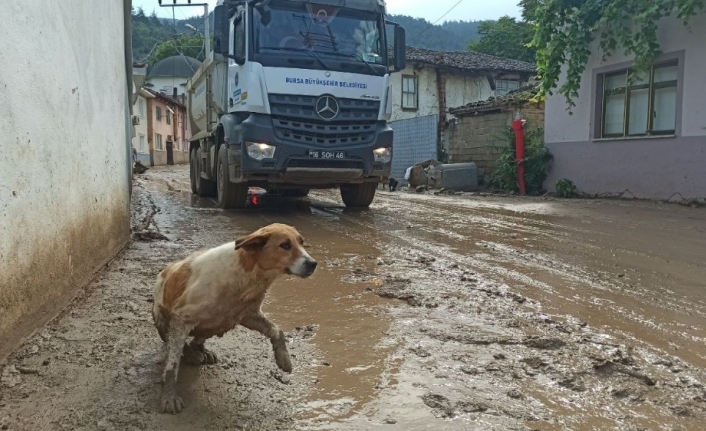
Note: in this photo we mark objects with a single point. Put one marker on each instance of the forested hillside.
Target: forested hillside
(150, 31)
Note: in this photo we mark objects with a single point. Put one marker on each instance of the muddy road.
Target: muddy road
(427, 313)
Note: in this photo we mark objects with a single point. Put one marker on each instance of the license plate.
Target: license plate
(323, 154)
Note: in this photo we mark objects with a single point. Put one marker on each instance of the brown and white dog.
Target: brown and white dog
(211, 292)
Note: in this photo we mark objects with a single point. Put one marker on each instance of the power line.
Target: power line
(432, 24)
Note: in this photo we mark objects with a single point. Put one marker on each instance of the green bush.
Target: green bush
(566, 188)
(538, 162)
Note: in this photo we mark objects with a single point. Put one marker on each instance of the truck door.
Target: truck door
(237, 95)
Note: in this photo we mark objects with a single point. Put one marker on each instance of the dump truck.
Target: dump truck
(294, 95)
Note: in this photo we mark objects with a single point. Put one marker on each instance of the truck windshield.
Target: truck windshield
(341, 39)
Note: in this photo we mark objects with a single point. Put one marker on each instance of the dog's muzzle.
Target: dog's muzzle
(309, 267)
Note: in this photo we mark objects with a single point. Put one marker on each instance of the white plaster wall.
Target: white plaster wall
(462, 90)
(427, 88)
(64, 174)
(141, 129)
(160, 82)
(673, 36)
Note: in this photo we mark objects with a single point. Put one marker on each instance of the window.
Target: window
(143, 144)
(169, 117)
(158, 113)
(644, 107)
(503, 86)
(158, 142)
(141, 105)
(239, 36)
(409, 92)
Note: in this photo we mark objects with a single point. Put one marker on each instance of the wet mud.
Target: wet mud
(427, 313)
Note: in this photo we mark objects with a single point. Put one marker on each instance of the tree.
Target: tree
(191, 45)
(505, 38)
(566, 30)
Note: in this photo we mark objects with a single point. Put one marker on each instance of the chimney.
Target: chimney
(174, 93)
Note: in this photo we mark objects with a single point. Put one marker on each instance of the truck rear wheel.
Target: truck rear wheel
(193, 171)
(358, 195)
(202, 187)
(230, 195)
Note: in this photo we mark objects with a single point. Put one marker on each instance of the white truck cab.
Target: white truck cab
(295, 95)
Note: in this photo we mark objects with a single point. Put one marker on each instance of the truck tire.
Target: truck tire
(204, 188)
(193, 171)
(230, 195)
(358, 195)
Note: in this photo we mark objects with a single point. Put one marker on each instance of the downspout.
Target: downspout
(129, 128)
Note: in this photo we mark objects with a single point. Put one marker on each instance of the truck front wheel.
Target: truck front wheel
(230, 195)
(358, 195)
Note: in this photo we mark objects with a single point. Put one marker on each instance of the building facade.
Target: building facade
(647, 136)
(167, 133)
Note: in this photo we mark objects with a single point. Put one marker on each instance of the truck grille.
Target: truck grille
(294, 118)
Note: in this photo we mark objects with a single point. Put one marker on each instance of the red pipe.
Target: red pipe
(519, 151)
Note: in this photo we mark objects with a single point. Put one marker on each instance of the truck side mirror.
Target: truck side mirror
(221, 30)
(400, 49)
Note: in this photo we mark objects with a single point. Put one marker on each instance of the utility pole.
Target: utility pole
(207, 24)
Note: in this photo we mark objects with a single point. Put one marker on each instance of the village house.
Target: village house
(648, 136)
(167, 132)
(170, 73)
(139, 140)
(435, 81)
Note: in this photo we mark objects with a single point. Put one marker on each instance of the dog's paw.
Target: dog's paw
(192, 356)
(209, 358)
(172, 404)
(283, 361)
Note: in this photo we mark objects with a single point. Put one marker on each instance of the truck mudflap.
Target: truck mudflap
(298, 163)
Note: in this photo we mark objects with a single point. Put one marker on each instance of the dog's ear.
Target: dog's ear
(253, 242)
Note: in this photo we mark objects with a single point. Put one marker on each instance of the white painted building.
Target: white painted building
(648, 137)
(172, 72)
(435, 81)
(65, 131)
(140, 142)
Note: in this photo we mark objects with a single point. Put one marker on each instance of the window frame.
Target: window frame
(626, 91)
(415, 80)
(506, 90)
(168, 117)
(158, 144)
(158, 113)
(142, 142)
(600, 76)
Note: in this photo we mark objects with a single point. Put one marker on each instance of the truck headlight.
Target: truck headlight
(383, 155)
(259, 150)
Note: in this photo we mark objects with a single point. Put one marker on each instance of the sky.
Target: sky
(431, 10)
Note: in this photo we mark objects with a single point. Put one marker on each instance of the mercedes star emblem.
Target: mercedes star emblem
(327, 107)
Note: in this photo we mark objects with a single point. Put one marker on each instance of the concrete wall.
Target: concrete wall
(653, 168)
(472, 138)
(64, 122)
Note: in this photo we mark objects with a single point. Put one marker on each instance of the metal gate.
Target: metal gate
(414, 141)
